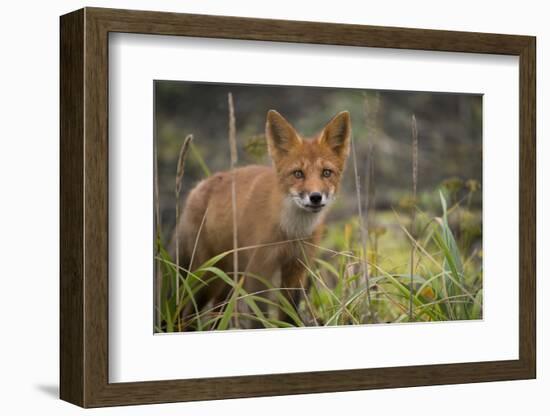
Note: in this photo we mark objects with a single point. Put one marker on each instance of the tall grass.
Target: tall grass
(232, 135)
(448, 284)
(363, 232)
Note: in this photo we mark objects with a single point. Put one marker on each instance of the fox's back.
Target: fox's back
(209, 209)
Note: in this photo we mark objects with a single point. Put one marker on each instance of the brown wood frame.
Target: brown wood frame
(84, 209)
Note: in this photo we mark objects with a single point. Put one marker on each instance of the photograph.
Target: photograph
(283, 206)
(361, 190)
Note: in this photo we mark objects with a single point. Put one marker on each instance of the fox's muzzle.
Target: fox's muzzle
(312, 201)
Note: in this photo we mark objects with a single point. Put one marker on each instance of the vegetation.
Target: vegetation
(446, 285)
(417, 258)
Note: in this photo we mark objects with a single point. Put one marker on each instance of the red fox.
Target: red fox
(278, 208)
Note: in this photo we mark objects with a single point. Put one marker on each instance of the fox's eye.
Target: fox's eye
(298, 174)
(327, 173)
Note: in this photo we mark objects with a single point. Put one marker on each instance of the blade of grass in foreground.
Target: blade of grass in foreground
(239, 292)
(446, 242)
(430, 257)
(200, 160)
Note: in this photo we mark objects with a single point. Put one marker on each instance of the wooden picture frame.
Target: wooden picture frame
(84, 207)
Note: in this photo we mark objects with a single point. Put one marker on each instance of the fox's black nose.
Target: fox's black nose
(315, 198)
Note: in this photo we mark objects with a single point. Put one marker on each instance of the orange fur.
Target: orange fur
(270, 208)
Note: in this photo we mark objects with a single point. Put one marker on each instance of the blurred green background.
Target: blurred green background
(449, 137)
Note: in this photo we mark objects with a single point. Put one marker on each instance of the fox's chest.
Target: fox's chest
(298, 223)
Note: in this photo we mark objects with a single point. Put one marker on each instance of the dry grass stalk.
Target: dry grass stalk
(368, 221)
(371, 202)
(179, 181)
(413, 205)
(233, 151)
(196, 243)
(371, 107)
(362, 229)
(369, 214)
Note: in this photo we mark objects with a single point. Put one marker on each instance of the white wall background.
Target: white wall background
(29, 159)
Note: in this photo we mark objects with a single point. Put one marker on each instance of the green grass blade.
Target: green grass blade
(200, 160)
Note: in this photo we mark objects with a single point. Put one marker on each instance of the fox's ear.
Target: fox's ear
(337, 134)
(281, 136)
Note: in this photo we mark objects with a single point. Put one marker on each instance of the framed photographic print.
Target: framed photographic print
(256, 207)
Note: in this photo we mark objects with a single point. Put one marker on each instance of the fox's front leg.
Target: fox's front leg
(293, 283)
